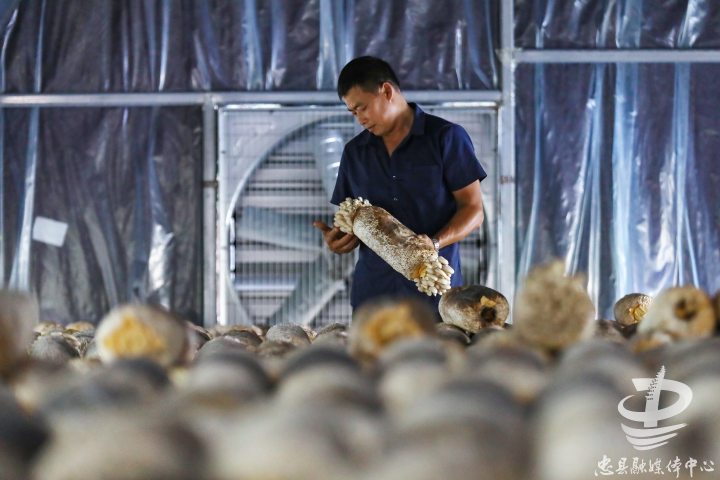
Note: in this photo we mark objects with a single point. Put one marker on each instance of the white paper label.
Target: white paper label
(49, 231)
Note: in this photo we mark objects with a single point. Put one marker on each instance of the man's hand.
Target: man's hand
(337, 241)
(426, 239)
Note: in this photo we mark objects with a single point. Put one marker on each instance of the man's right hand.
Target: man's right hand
(337, 241)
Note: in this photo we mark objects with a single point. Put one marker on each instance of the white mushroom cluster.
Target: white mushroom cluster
(396, 244)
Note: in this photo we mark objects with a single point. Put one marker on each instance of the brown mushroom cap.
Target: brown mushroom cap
(631, 308)
(288, 332)
(473, 307)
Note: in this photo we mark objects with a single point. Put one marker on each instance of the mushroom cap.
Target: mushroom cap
(80, 326)
(681, 312)
(53, 349)
(288, 332)
(315, 357)
(124, 382)
(328, 385)
(40, 327)
(631, 308)
(121, 445)
(609, 330)
(553, 311)
(309, 331)
(333, 327)
(381, 322)
(230, 379)
(302, 443)
(473, 307)
(334, 334)
(141, 331)
(246, 337)
(335, 338)
(275, 349)
(453, 333)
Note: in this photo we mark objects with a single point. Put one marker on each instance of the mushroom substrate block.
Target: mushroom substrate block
(396, 244)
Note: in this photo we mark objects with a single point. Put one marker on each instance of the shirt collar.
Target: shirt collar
(418, 126)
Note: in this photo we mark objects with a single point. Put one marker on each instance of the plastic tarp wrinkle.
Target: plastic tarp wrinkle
(595, 23)
(215, 45)
(127, 187)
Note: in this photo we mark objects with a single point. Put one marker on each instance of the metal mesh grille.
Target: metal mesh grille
(277, 171)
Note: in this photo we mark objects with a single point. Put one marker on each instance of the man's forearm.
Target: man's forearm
(466, 219)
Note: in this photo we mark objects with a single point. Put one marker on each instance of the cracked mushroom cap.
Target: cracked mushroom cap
(631, 308)
(473, 307)
(553, 311)
(379, 323)
(141, 331)
(681, 312)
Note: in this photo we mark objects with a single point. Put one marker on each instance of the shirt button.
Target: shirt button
(393, 176)
(395, 199)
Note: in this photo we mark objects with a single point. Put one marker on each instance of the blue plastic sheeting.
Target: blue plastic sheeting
(619, 175)
(609, 24)
(204, 45)
(127, 183)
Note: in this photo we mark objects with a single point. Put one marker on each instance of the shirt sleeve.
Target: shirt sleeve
(460, 165)
(343, 189)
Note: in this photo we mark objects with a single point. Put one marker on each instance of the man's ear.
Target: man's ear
(387, 91)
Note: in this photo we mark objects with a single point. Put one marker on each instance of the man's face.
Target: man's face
(371, 109)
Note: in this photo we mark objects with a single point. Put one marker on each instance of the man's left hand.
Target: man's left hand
(427, 240)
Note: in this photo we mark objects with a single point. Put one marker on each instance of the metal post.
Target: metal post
(210, 185)
(506, 218)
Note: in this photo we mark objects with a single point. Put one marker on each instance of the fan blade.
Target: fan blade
(268, 226)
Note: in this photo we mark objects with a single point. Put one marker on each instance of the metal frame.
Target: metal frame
(504, 99)
(210, 192)
(616, 56)
(221, 98)
(506, 144)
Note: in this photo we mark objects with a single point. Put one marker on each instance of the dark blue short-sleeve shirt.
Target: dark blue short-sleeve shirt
(415, 185)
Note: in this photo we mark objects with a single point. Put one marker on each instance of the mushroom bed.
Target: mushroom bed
(395, 395)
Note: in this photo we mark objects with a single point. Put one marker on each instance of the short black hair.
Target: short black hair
(368, 73)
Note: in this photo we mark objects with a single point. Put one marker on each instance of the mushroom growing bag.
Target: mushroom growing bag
(396, 244)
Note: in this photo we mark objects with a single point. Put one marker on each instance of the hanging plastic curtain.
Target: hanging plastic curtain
(124, 183)
(196, 45)
(611, 23)
(617, 169)
(99, 205)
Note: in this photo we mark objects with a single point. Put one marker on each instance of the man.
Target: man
(420, 168)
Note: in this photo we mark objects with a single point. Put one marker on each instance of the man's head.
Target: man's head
(371, 91)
